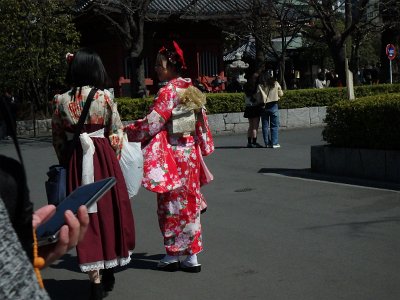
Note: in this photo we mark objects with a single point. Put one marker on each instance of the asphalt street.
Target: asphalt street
(273, 230)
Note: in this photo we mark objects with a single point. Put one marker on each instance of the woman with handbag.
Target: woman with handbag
(252, 111)
(174, 136)
(110, 238)
(270, 90)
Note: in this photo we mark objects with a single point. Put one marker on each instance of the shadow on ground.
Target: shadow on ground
(144, 261)
(139, 261)
(308, 174)
(234, 147)
(67, 289)
(67, 262)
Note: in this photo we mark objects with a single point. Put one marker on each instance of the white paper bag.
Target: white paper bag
(131, 163)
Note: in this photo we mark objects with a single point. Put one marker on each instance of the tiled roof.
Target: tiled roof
(188, 9)
(199, 8)
(249, 48)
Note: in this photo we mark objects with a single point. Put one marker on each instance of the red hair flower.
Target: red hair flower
(175, 55)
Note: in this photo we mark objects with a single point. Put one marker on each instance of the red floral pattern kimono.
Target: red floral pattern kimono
(173, 169)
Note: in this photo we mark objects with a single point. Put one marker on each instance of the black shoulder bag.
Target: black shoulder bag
(14, 189)
(56, 185)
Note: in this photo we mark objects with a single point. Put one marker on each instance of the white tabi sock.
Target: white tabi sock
(170, 259)
(191, 260)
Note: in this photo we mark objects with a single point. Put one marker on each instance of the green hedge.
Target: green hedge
(371, 122)
(131, 109)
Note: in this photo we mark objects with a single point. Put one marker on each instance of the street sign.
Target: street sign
(391, 51)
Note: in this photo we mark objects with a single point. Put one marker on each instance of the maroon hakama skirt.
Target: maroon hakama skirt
(110, 238)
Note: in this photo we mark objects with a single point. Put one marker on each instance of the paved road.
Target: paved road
(273, 231)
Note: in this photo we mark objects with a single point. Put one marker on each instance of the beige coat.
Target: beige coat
(270, 95)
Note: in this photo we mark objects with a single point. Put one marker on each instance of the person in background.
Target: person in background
(375, 73)
(320, 81)
(110, 238)
(270, 113)
(173, 164)
(9, 98)
(252, 111)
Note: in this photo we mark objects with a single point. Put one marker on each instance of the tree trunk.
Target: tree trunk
(137, 85)
(282, 70)
(260, 56)
(338, 55)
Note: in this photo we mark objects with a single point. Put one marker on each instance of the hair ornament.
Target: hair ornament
(175, 55)
(180, 54)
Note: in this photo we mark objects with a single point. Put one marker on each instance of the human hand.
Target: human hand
(70, 234)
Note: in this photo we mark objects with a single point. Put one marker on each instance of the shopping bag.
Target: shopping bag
(131, 163)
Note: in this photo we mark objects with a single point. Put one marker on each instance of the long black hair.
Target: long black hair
(86, 68)
(267, 80)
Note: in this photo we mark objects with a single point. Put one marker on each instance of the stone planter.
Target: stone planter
(383, 165)
(220, 124)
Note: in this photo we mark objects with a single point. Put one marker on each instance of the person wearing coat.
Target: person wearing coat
(271, 92)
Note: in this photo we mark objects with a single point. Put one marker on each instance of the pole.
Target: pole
(390, 70)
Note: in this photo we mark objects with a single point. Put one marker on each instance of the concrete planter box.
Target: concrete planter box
(383, 165)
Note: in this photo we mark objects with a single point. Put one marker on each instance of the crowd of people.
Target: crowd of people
(173, 148)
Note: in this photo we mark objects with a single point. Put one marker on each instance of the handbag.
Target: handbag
(14, 189)
(56, 184)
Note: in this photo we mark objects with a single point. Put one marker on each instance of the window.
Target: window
(208, 64)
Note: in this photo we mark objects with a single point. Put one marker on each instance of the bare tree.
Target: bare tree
(286, 21)
(127, 18)
(269, 21)
(341, 21)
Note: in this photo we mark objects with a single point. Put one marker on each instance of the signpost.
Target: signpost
(391, 54)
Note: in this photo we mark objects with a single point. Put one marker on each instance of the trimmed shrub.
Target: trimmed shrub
(218, 103)
(371, 122)
(133, 108)
(225, 103)
(311, 97)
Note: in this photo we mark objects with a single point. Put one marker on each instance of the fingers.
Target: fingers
(42, 214)
(74, 227)
(70, 234)
(54, 252)
(83, 218)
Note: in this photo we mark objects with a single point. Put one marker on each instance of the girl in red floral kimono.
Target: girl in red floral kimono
(110, 238)
(173, 166)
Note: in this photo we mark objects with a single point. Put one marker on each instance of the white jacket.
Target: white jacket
(271, 95)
